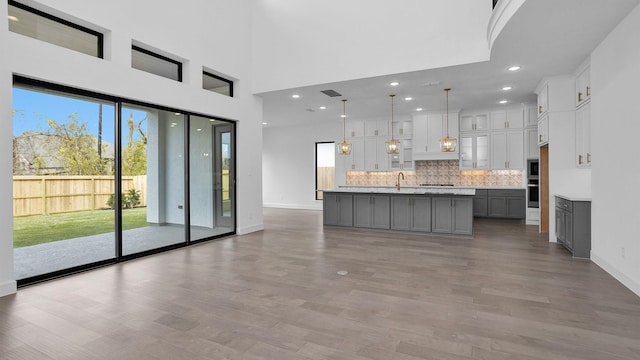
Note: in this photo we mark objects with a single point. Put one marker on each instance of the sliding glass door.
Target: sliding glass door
(63, 159)
(98, 179)
(152, 163)
(210, 178)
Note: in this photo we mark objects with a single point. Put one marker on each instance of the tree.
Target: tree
(78, 150)
(134, 154)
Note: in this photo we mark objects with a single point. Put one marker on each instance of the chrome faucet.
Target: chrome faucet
(398, 181)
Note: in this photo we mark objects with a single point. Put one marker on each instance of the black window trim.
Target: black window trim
(161, 57)
(97, 34)
(315, 151)
(230, 82)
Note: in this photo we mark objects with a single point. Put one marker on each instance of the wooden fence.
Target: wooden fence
(36, 195)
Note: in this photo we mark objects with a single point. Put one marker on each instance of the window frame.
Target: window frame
(158, 56)
(317, 191)
(229, 82)
(99, 36)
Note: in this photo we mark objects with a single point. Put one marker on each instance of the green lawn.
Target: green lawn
(39, 229)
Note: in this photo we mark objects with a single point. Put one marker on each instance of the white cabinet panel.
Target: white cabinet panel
(507, 150)
(427, 131)
(583, 136)
(474, 151)
(377, 127)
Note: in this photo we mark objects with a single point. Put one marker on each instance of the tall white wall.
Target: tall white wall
(215, 34)
(615, 75)
(289, 164)
(322, 41)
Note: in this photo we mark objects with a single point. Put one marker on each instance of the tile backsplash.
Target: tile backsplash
(437, 172)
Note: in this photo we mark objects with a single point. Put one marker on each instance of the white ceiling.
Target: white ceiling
(545, 37)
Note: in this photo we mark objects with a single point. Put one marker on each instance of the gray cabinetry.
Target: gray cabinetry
(452, 215)
(338, 209)
(411, 213)
(506, 203)
(371, 211)
(480, 203)
(573, 226)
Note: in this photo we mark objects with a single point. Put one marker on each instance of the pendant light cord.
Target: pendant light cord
(344, 120)
(447, 92)
(392, 96)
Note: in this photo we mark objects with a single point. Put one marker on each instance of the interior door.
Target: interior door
(224, 175)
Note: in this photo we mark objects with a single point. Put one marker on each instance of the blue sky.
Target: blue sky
(34, 108)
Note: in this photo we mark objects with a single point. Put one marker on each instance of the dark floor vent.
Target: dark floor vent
(331, 93)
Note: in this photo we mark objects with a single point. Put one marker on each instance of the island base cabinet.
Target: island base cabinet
(411, 213)
(452, 215)
(371, 211)
(338, 209)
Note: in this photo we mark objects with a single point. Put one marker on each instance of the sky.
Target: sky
(32, 109)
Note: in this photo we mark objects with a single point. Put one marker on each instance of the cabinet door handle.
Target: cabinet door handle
(353, 166)
(375, 132)
(426, 148)
(539, 109)
(539, 137)
(579, 159)
(353, 134)
(588, 90)
(579, 96)
(505, 164)
(588, 158)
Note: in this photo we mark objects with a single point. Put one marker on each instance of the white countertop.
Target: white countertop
(421, 190)
(573, 198)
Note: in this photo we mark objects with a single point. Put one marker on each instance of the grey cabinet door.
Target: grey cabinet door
(441, 217)
(497, 206)
(345, 210)
(337, 209)
(380, 212)
(362, 209)
(401, 213)
(462, 215)
(480, 206)
(421, 214)
(330, 209)
(560, 226)
(516, 207)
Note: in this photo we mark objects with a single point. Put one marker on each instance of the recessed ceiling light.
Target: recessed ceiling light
(514, 68)
(264, 123)
(13, 18)
(419, 109)
(343, 116)
(198, 129)
(506, 88)
(408, 98)
(295, 96)
(323, 108)
(394, 83)
(177, 114)
(503, 101)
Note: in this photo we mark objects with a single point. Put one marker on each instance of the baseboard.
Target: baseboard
(624, 279)
(8, 288)
(294, 206)
(249, 229)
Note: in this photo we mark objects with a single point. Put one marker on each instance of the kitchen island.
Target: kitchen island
(438, 210)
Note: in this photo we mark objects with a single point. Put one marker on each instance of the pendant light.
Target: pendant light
(392, 146)
(344, 148)
(448, 144)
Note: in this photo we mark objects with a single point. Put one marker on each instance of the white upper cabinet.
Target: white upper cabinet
(507, 150)
(474, 151)
(473, 122)
(376, 157)
(530, 116)
(583, 86)
(531, 139)
(427, 131)
(355, 160)
(354, 128)
(377, 127)
(543, 130)
(583, 136)
(507, 119)
(543, 100)
(402, 128)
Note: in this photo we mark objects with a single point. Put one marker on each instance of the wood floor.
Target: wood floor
(505, 294)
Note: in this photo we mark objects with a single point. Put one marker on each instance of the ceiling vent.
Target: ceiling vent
(331, 93)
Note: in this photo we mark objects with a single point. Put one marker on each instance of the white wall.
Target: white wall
(215, 34)
(289, 163)
(615, 77)
(316, 42)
